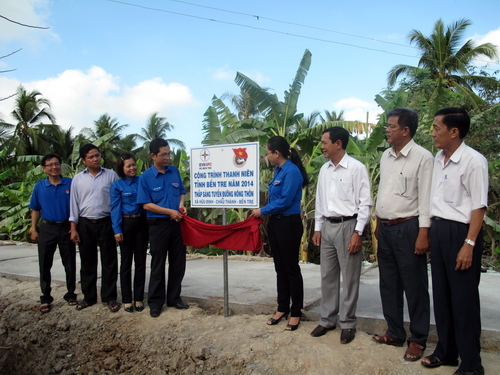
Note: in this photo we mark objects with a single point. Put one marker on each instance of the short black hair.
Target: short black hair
(156, 144)
(50, 156)
(407, 117)
(120, 164)
(336, 133)
(84, 150)
(454, 117)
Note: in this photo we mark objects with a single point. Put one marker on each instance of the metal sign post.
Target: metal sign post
(225, 176)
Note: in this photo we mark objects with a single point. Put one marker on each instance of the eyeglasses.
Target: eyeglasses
(52, 165)
(165, 156)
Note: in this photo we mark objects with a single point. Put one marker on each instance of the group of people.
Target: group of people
(424, 204)
(100, 208)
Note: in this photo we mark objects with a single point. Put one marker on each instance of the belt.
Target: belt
(96, 221)
(56, 223)
(280, 216)
(157, 220)
(389, 223)
(340, 219)
(133, 216)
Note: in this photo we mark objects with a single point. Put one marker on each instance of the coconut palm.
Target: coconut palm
(333, 116)
(157, 127)
(110, 128)
(244, 105)
(448, 62)
(31, 109)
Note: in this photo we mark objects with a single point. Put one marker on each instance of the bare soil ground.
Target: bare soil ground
(193, 341)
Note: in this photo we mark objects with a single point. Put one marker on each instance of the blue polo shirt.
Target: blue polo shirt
(52, 200)
(285, 191)
(162, 189)
(123, 194)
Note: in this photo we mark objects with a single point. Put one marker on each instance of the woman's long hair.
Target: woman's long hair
(278, 143)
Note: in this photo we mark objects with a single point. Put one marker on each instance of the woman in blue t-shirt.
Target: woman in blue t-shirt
(131, 231)
(285, 227)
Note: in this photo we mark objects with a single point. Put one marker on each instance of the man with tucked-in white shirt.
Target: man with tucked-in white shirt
(342, 210)
(91, 226)
(403, 223)
(459, 197)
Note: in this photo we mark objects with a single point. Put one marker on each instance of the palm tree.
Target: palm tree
(448, 62)
(157, 127)
(110, 128)
(30, 111)
(332, 116)
(244, 105)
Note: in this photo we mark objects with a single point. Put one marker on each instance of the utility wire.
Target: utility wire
(282, 32)
(23, 24)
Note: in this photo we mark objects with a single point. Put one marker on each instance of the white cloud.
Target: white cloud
(79, 98)
(223, 74)
(492, 37)
(28, 12)
(355, 109)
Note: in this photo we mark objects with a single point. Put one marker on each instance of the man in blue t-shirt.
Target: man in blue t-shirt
(50, 200)
(161, 193)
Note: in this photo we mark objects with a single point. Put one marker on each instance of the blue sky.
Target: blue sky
(101, 56)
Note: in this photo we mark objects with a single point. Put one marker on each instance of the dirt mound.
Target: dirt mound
(96, 341)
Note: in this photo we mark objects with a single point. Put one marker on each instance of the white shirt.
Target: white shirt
(343, 190)
(460, 186)
(90, 196)
(405, 184)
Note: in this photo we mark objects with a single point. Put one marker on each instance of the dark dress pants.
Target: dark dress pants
(285, 234)
(133, 248)
(92, 234)
(165, 236)
(456, 295)
(403, 272)
(50, 237)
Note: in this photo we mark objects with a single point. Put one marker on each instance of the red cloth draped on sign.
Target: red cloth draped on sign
(243, 236)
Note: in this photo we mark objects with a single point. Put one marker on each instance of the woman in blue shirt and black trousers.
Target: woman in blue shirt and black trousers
(131, 231)
(285, 227)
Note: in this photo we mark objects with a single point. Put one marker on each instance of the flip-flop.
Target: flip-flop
(45, 308)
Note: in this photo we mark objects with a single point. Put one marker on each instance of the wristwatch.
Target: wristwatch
(360, 232)
(470, 242)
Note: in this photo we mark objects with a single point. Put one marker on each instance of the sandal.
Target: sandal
(436, 362)
(72, 302)
(45, 308)
(386, 339)
(272, 321)
(83, 305)
(414, 352)
(113, 306)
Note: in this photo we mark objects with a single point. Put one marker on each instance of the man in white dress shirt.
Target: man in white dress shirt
(459, 197)
(403, 223)
(342, 210)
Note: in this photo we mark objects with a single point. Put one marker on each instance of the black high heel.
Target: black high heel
(272, 321)
(292, 327)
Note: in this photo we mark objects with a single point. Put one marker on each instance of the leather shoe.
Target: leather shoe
(347, 335)
(320, 330)
(155, 313)
(475, 372)
(180, 305)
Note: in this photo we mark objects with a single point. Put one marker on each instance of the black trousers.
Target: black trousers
(403, 272)
(133, 248)
(456, 295)
(165, 237)
(285, 234)
(50, 238)
(93, 234)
